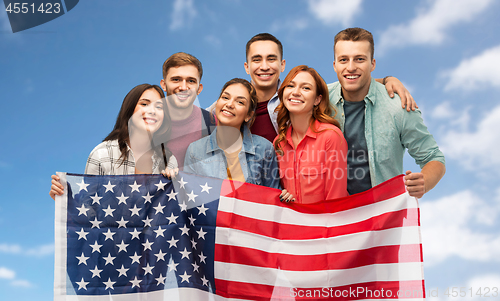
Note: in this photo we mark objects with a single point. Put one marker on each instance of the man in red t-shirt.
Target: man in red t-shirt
(182, 74)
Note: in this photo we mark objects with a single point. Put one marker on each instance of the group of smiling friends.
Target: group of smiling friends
(312, 140)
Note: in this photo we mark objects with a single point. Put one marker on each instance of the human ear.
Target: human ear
(249, 116)
(318, 100)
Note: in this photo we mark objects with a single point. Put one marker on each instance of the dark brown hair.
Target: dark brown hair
(121, 131)
(264, 37)
(253, 97)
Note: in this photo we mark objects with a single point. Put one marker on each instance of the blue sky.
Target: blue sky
(64, 82)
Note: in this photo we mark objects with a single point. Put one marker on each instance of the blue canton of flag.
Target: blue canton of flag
(137, 234)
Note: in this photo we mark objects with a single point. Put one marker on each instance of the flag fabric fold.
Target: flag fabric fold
(144, 237)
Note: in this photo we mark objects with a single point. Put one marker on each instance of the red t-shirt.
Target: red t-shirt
(262, 125)
(185, 132)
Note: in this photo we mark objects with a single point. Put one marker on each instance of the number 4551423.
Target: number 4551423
(464, 292)
(26, 8)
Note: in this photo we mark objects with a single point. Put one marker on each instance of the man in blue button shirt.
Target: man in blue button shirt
(376, 129)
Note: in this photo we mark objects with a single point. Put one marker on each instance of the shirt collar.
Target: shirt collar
(371, 96)
(247, 146)
(309, 132)
(372, 92)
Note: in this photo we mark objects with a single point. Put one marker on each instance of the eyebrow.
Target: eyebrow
(237, 97)
(188, 78)
(149, 100)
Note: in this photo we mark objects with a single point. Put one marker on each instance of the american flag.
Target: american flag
(144, 237)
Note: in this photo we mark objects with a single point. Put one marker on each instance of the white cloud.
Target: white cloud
(335, 11)
(475, 150)
(13, 249)
(5, 273)
(458, 119)
(431, 23)
(443, 111)
(183, 14)
(483, 281)
(475, 73)
(478, 288)
(9, 274)
(38, 251)
(455, 226)
(21, 283)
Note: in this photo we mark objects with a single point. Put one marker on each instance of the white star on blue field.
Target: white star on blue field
(63, 82)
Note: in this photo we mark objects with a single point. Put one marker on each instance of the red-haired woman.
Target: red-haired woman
(310, 146)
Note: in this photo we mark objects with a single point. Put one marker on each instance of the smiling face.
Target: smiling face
(182, 84)
(148, 114)
(353, 65)
(232, 108)
(300, 94)
(264, 64)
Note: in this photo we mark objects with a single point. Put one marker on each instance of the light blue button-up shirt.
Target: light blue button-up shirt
(257, 159)
(389, 130)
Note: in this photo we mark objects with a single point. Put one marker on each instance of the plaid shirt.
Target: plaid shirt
(105, 160)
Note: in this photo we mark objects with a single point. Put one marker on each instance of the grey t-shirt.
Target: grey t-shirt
(358, 170)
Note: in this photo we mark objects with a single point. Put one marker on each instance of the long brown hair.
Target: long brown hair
(121, 132)
(323, 112)
(252, 101)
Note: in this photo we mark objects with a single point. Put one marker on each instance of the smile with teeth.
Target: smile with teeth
(182, 96)
(264, 75)
(149, 120)
(227, 113)
(352, 76)
(295, 100)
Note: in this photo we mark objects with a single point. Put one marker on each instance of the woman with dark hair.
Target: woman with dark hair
(133, 146)
(311, 149)
(231, 151)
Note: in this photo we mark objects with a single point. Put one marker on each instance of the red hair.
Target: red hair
(323, 112)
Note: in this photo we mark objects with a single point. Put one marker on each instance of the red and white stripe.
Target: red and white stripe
(369, 243)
